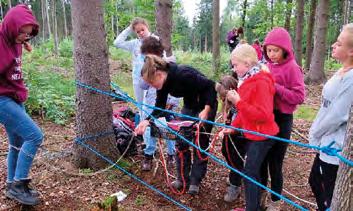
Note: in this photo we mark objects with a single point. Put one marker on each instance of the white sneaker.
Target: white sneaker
(274, 206)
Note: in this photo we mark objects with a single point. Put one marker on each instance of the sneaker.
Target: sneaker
(177, 184)
(274, 206)
(31, 190)
(263, 199)
(146, 164)
(19, 191)
(232, 193)
(193, 189)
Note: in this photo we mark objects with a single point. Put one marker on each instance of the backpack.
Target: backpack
(124, 125)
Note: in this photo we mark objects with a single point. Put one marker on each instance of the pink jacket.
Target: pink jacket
(289, 78)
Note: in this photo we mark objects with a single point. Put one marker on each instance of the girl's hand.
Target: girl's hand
(27, 46)
(204, 113)
(233, 96)
(140, 129)
(227, 131)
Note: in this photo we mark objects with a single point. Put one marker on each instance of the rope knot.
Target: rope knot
(329, 150)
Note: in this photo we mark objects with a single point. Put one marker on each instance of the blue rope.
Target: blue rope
(133, 176)
(222, 162)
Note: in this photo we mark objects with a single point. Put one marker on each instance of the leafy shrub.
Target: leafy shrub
(66, 48)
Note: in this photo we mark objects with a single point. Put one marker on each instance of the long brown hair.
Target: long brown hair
(222, 87)
(152, 64)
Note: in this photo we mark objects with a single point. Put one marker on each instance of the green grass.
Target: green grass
(305, 112)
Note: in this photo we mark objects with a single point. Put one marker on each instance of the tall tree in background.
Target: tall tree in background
(272, 13)
(164, 11)
(64, 17)
(9, 4)
(288, 15)
(94, 111)
(316, 72)
(55, 27)
(1, 10)
(309, 34)
(216, 39)
(245, 5)
(299, 32)
(47, 16)
(346, 11)
(343, 194)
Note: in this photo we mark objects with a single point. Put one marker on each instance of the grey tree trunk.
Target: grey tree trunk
(316, 72)
(245, 4)
(272, 12)
(1, 11)
(206, 42)
(309, 35)
(47, 14)
(164, 23)
(299, 32)
(94, 111)
(343, 194)
(55, 27)
(288, 15)
(64, 16)
(216, 38)
(9, 4)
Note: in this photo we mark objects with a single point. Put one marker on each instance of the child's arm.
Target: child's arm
(294, 94)
(337, 115)
(121, 42)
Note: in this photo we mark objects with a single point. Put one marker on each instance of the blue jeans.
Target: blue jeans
(138, 92)
(151, 143)
(24, 138)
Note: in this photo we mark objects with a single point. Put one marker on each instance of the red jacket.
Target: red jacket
(255, 109)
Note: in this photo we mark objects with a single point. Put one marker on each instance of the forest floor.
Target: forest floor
(64, 187)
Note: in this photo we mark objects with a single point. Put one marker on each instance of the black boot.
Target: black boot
(31, 190)
(19, 191)
(147, 163)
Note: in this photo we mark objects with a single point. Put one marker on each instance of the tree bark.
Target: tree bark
(9, 4)
(206, 42)
(299, 32)
(164, 23)
(316, 73)
(64, 16)
(47, 14)
(309, 35)
(1, 10)
(245, 4)
(216, 38)
(94, 111)
(288, 15)
(343, 194)
(272, 13)
(55, 27)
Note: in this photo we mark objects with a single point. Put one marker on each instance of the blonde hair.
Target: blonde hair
(245, 53)
(138, 20)
(349, 29)
(152, 64)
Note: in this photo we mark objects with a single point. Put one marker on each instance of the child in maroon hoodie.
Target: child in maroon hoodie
(254, 103)
(24, 136)
(290, 92)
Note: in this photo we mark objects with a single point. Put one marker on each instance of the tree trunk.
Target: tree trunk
(164, 23)
(272, 13)
(55, 27)
(299, 32)
(316, 73)
(94, 111)
(206, 42)
(9, 4)
(346, 11)
(245, 4)
(343, 194)
(47, 14)
(288, 15)
(216, 39)
(309, 35)
(64, 15)
(1, 10)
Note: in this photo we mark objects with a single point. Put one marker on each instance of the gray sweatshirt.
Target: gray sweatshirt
(331, 121)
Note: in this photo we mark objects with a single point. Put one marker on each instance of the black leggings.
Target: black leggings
(194, 171)
(274, 159)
